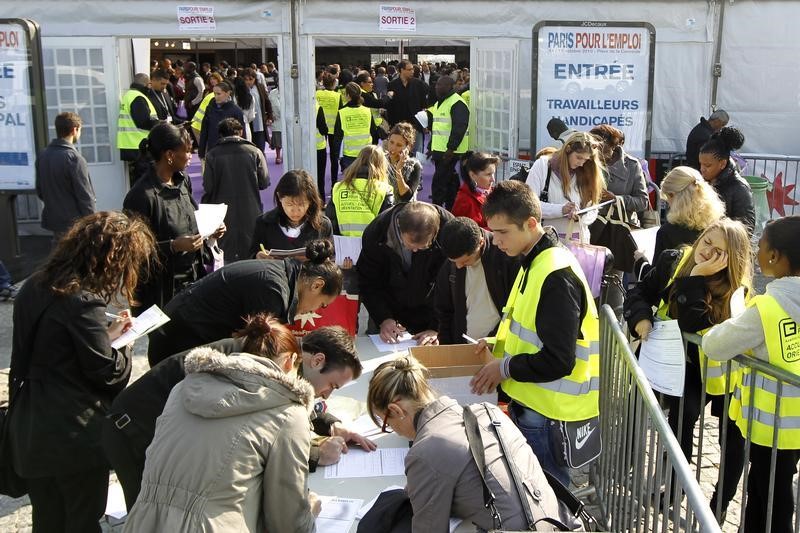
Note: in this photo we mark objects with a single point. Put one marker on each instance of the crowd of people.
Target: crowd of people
(229, 412)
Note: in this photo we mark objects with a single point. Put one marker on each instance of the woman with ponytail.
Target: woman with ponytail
(215, 305)
(129, 427)
(477, 173)
(163, 198)
(721, 172)
(230, 450)
(442, 477)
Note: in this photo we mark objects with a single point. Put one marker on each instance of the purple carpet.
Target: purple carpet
(276, 171)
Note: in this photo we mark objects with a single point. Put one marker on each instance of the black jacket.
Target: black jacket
(386, 289)
(562, 307)
(267, 232)
(735, 192)
(169, 210)
(699, 135)
(499, 270)
(407, 101)
(73, 377)
(140, 113)
(215, 307)
(672, 237)
(690, 293)
(209, 133)
(234, 174)
(64, 185)
(164, 104)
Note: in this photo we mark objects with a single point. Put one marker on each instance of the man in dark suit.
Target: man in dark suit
(162, 101)
(409, 96)
(700, 135)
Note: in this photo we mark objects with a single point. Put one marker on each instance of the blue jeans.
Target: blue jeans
(536, 429)
(5, 277)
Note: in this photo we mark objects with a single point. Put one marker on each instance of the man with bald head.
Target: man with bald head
(448, 122)
(137, 116)
(701, 133)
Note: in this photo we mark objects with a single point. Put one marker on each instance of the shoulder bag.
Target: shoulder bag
(477, 449)
(613, 230)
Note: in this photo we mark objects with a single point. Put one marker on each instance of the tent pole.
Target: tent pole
(716, 69)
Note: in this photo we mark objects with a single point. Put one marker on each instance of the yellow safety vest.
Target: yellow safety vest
(443, 124)
(573, 397)
(355, 206)
(197, 119)
(129, 136)
(715, 374)
(319, 137)
(376, 113)
(465, 96)
(782, 339)
(330, 101)
(356, 126)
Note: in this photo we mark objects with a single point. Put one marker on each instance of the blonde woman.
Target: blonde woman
(362, 194)
(442, 478)
(569, 180)
(693, 206)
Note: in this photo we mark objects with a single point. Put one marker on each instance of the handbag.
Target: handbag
(592, 260)
(11, 483)
(651, 217)
(580, 442)
(478, 452)
(215, 259)
(614, 232)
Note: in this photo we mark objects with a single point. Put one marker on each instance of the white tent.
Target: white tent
(89, 60)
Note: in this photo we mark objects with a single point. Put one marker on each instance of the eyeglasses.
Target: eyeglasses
(384, 421)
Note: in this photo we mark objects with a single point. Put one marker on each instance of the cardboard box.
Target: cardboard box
(451, 368)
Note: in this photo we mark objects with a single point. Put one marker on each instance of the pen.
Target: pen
(469, 339)
(116, 317)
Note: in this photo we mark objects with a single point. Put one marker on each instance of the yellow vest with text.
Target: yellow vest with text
(376, 113)
(197, 119)
(576, 396)
(715, 375)
(356, 207)
(320, 138)
(330, 102)
(443, 125)
(356, 126)
(128, 135)
(782, 339)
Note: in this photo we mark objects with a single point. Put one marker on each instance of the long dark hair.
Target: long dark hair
(242, 94)
(299, 183)
(102, 253)
(475, 162)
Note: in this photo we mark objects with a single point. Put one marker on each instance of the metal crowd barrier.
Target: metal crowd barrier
(702, 459)
(641, 479)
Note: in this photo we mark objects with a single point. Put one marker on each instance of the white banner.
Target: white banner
(196, 18)
(397, 18)
(592, 75)
(17, 145)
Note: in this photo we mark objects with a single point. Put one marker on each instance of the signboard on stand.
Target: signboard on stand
(592, 73)
(22, 123)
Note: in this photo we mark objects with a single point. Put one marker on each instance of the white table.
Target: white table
(365, 488)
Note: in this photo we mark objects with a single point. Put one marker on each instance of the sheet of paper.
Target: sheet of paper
(363, 511)
(358, 463)
(143, 324)
(646, 241)
(337, 514)
(592, 207)
(363, 425)
(404, 342)
(346, 247)
(422, 118)
(209, 217)
(372, 364)
(115, 503)
(458, 388)
(662, 359)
